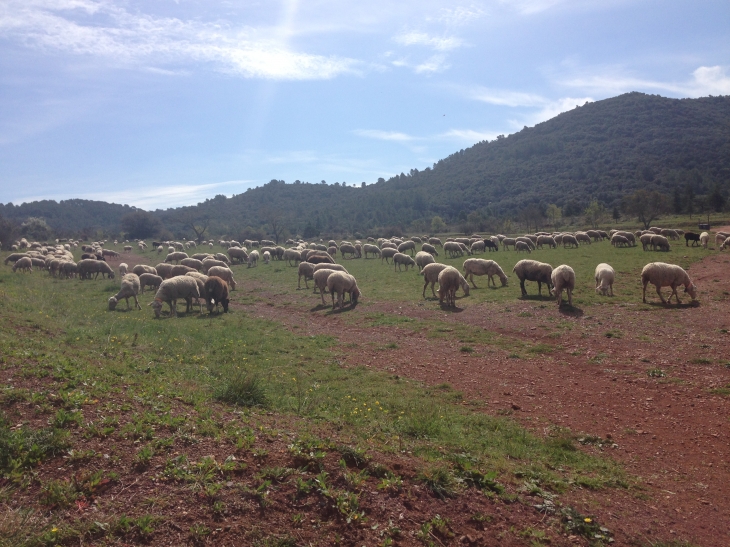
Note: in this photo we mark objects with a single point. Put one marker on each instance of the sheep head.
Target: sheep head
(112, 303)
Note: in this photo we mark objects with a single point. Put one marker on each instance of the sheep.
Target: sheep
(370, 249)
(208, 263)
(348, 249)
(720, 238)
(68, 269)
(319, 257)
(617, 240)
(693, 237)
(430, 275)
(225, 274)
(423, 258)
(670, 234)
(522, 246)
(109, 253)
(127, 248)
(193, 263)
(526, 240)
(90, 266)
(595, 234)
(160, 249)
(435, 241)
(532, 270)
(477, 246)
(164, 270)
(140, 269)
(450, 279)
(171, 290)
(583, 237)
(402, 259)
(569, 239)
(563, 278)
(660, 242)
(267, 257)
(661, 274)
(545, 240)
(25, 264)
(179, 270)
(202, 256)
(453, 249)
(176, 257)
(479, 266)
(148, 280)
(340, 283)
(333, 267)
(645, 240)
(704, 238)
(389, 245)
(725, 243)
(38, 263)
(320, 282)
(507, 241)
(628, 235)
(306, 270)
(222, 258)
(386, 253)
(604, 279)
(130, 287)
(216, 293)
(123, 269)
(292, 255)
(407, 246)
(14, 257)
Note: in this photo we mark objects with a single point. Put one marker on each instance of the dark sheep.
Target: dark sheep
(216, 293)
(693, 237)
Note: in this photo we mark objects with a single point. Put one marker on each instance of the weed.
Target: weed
(66, 419)
(466, 349)
(356, 457)
(144, 456)
(655, 373)
(198, 533)
(390, 483)
(243, 389)
(275, 474)
(58, 494)
(439, 480)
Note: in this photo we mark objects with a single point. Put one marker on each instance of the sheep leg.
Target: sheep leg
(659, 292)
(522, 287)
(643, 299)
(570, 297)
(674, 292)
(610, 287)
(136, 302)
(424, 288)
(539, 288)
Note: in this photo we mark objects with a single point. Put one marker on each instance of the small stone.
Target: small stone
(515, 406)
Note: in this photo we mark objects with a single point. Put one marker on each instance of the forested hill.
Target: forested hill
(602, 150)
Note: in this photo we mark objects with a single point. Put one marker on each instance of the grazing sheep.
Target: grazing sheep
(617, 240)
(216, 293)
(400, 258)
(176, 257)
(595, 234)
(532, 270)
(306, 270)
(370, 249)
(720, 238)
(348, 249)
(545, 240)
(109, 253)
(479, 266)
(583, 237)
(333, 267)
(130, 287)
(14, 257)
(450, 279)
(693, 237)
(25, 264)
(320, 282)
(725, 243)
(604, 279)
(90, 266)
(148, 280)
(407, 246)
(430, 274)
(661, 274)
(179, 269)
(704, 238)
(237, 255)
(453, 249)
(68, 269)
(319, 257)
(430, 249)
(267, 257)
(563, 278)
(423, 258)
(386, 253)
(164, 270)
(628, 235)
(208, 263)
(225, 274)
(477, 246)
(193, 263)
(127, 248)
(527, 241)
(340, 283)
(123, 269)
(292, 255)
(521, 246)
(435, 241)
(171, 290)
(140, 269)
(569, 239)
(645, 240)
(507, 242)
(659, 242)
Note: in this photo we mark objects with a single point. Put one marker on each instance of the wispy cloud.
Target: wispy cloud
(459, 15)
(439, 43)
(705, 80)
(469, 135)
(436, 63)
(384, 135)
(100, 29)
(505, 97)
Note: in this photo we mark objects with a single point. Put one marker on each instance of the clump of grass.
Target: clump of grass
(655, 373)
(466, 349)
(242, 390)
(439, 480)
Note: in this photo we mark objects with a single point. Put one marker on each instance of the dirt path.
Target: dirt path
(653, 385)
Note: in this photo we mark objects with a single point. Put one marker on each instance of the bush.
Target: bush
(242, 390)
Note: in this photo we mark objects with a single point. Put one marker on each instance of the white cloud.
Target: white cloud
(460, 15)
(437, 63)
(119, 36)
(469, 135)
(414, 38)
(705, 80)
(504, 97)
(384, 135)
(553, 108)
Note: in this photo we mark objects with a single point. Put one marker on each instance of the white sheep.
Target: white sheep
(340, 283)
(617, 240)
(725, 243)
(402, 259)
(532, 270)
(704, 238)
(306, 270)
(123, 269)
(569, 239)
(661, 274)
(25, 264)
(224, 273)
(660, 242)
(521, 246)
(171, 290)
(423, 258)
(479, 266)
(267, 257)
(604, 279)
(149, 280)
(320, 281)
(450, 280)
(253, 259)
(563, 278)
(130, 288)
(645, 240)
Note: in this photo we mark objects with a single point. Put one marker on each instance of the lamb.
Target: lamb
(407, 246)
(225, 274)
(123, 269)
(704, 238)
(521, 246)
(563, 278)
(216, 293)
(320, 282)
(400, 258)
(306, 270)
(569, 239)
(340, 283)
(661, 274)
(149, 280)
(532, 270)
(370, 249)
(660, 242)
(450, 279)
(130, 287)
(479, 266)
(604, 279)
(25, 264)
(171, 290)
(423, 258)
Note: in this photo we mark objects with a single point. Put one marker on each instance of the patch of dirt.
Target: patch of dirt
(654, 384)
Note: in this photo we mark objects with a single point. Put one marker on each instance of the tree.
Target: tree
(689, 194)
(437, 225)
(273, 219)
(7, 232)
(35, 228)
(616, 214)
(716, 199)
(677, 201)
(140, 225)
(190, 219)
(554, 215)
(646, 205)
(595, 213)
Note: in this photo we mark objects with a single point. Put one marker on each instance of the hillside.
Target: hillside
(602, 150)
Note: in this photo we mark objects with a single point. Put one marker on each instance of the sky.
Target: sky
(163, 103)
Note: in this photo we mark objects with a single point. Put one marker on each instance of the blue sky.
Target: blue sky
(162, 103)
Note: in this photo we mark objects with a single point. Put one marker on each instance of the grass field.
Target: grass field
(76, 375)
